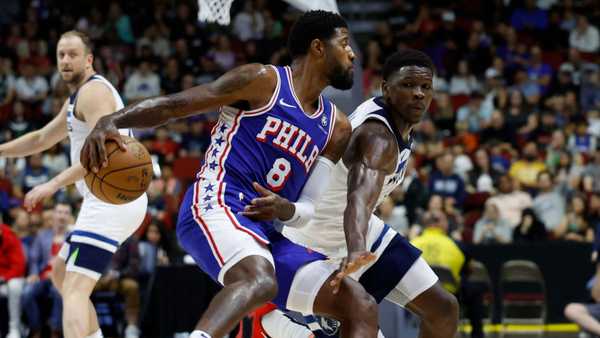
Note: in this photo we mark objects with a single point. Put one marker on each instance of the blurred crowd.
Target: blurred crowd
(508, 152)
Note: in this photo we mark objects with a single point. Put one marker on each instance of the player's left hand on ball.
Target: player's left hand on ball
(268, 206)
(38, 194)
(351, 264)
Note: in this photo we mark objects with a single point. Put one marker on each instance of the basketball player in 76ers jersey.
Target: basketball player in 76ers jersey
(100, 227)
(344, 226)
(282, 136)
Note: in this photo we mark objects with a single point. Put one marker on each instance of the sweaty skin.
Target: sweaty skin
(372, 154)
(251, 282)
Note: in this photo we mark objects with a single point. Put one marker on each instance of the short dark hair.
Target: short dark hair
(406, 57)
(312, 25)
(87, 42)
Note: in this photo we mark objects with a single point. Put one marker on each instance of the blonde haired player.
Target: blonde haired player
(100, 227)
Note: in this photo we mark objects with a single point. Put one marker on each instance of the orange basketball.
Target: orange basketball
(127, 175)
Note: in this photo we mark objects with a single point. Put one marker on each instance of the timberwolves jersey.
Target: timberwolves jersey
(274, 146)
(79, 130)
(325, 232)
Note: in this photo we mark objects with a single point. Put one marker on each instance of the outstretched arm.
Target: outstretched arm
(90, 109)
(39, 140)
(248, 82)
(370, 158)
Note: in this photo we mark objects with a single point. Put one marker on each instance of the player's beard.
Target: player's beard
(75, 79)
(340, 78)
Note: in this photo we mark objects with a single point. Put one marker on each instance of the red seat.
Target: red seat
(185, 168)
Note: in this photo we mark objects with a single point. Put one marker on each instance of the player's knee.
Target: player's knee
(445, 311)
(257, 276)
(368, 309)
(574, 310)
(265, 287)
(360, 305)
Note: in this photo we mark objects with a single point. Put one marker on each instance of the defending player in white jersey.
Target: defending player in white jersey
(100, 227)
(342, 224)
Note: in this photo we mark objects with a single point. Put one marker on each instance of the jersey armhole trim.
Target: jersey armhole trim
(93, 78)
(331, 125)
(271, 102)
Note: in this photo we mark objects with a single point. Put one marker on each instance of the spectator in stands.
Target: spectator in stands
(462, 162)
(483, 175)
(249, 24)
(18, 125)
(553, 150)
(497, 131)
(510, 202)
(529, 17)
(171, 78)
(592, 170)
(195, 140)
(454, 216)
(7, 86)
(444, 182)
(490, 228)
(463, 82)
(415, 195)
(574, 226)
(143, 83)
(120, 24)
(55, 159)
(590, 90)
(154, 249)
(12, 270)
(517, 113)
(121, 277)
(23, 230)
(531, 229)
(443, 113)
(473, 115)
(164, 145)
(581, 140)
(440, 250)
(222, 54)
(584, 37)
(31, 87)
(34, 174)
(527, 169)
(549, 204)
(154, 39)
(45, 247)
(539, 71)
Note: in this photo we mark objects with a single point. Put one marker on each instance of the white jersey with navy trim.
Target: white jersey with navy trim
(325, 232)
(79, 130)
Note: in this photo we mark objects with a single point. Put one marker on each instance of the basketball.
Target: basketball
(127, 175)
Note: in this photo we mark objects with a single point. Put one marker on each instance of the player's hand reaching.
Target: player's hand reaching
(93, 153)
(351, 264)
(38, 194)
(268, 206)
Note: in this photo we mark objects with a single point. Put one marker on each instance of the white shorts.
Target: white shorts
(99, 230)
(398, 274)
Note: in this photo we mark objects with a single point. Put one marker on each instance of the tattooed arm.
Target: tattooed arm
(253, 83)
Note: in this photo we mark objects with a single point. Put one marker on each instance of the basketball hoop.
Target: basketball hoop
(214, 11)
(218, 10)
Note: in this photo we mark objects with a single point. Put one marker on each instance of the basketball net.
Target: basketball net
(218, 10)
(214, 11)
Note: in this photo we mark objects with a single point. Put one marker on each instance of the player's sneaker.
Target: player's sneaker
(257, 329)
